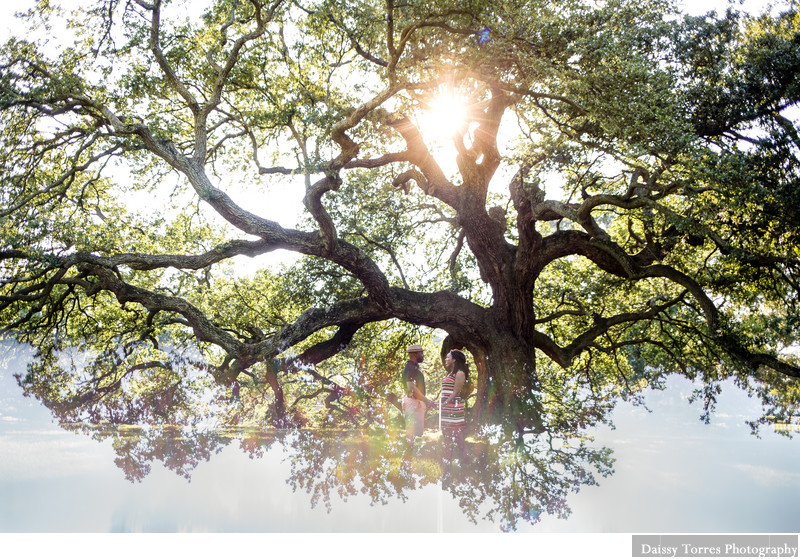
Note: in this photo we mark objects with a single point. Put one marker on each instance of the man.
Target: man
(415, 403)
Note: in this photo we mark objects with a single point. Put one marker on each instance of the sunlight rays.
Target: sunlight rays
(440, 119)
(444, 117)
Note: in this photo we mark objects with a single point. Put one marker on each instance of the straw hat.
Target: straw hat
(413, 348)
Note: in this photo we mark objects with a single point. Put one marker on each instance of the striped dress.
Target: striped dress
(453, 416)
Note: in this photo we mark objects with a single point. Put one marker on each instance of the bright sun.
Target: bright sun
(443, 117)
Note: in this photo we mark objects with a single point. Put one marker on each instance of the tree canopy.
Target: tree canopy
(585, 196)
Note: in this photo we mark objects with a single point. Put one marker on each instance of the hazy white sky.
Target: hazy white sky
(9, 7)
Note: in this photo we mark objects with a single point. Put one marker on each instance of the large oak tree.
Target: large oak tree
(617, 199)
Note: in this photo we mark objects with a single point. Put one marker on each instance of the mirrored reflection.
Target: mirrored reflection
(506, 481)
(337, 447)
(501, 480)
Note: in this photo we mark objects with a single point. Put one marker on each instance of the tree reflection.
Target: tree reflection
(506, 481)
(170, 415)
(179, 449)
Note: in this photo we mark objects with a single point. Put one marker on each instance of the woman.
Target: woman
(454, 422)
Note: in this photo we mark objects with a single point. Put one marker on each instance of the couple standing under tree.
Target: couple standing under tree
(451, 403)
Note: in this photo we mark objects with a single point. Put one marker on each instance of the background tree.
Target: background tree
(616, 201)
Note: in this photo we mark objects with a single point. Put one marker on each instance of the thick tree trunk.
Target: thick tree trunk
(281, 418)
(511, 393)
(507, 387)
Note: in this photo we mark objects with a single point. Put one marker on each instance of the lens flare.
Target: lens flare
(443, 118)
